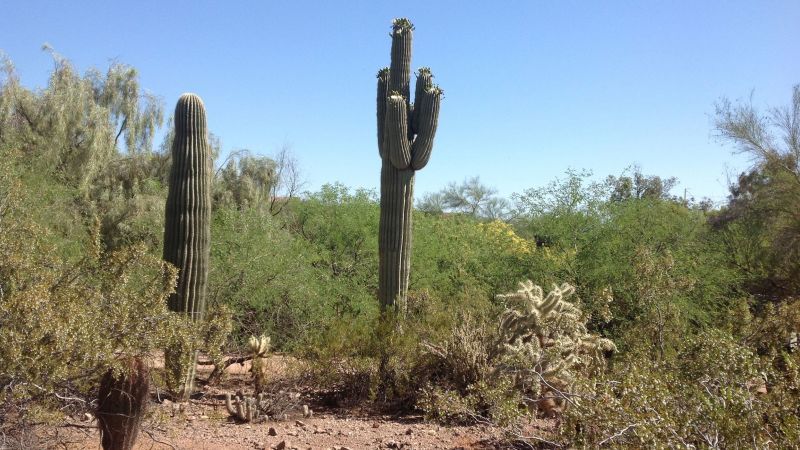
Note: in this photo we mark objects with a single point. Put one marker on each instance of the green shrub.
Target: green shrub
(715, 393)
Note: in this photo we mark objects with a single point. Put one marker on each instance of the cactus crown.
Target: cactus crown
(259, 346)
(402, 24)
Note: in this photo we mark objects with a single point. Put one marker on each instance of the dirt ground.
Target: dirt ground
(204, 423)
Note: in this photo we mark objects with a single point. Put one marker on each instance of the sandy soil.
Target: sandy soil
(204, 423)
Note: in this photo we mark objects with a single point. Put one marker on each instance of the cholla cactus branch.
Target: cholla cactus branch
(259, 347)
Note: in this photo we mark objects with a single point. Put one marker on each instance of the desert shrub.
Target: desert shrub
(715, 393)
(63, 322)
(496, 403)
(266, 276)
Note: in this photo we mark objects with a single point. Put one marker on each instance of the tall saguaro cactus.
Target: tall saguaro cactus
(405, 141)
(187, 226)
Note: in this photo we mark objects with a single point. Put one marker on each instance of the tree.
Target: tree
(245, 181)
(638, 186)
(73, 127)
(470, 197)
(288, 180)
(761, 221)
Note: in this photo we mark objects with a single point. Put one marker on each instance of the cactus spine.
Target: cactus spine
(187, 225)
(405, 141)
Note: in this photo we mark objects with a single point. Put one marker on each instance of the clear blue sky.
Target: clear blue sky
(531, 87)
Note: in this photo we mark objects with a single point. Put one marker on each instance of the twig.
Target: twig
(617, 434)
(538, 439)
(78, 425)
(150, 433)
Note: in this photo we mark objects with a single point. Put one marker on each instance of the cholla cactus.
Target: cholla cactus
(543, 340)
(243, 408)
(259, 347)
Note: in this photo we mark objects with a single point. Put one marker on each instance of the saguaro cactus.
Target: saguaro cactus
(405, 141)
(187, 225)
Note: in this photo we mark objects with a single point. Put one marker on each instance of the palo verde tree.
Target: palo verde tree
(405, 141)
(761, 222)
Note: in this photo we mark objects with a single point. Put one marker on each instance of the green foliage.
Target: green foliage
(73, 126)
(492, 403)
(266, 276)
(760, 224)
(246, 181)
(63, 323)
(604, 247)
(471, 197)
(715, 393)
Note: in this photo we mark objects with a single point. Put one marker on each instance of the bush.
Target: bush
(716, 393)
(64, 323)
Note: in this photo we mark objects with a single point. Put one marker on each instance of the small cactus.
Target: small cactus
(405, 142)
(243, 408)
(259, 347)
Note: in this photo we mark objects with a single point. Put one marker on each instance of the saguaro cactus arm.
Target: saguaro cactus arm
(398, 148)
(383, 94)
(426, 116)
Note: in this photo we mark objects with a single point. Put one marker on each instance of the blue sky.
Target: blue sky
(531, 88)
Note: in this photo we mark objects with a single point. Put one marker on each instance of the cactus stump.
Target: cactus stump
(405, 141)
(187, 227)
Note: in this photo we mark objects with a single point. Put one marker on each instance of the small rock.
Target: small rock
(376, 425)
(409, 431)
(282, 445)
(300, 423)
(204, 416)
(391, 444)
(272, 432)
